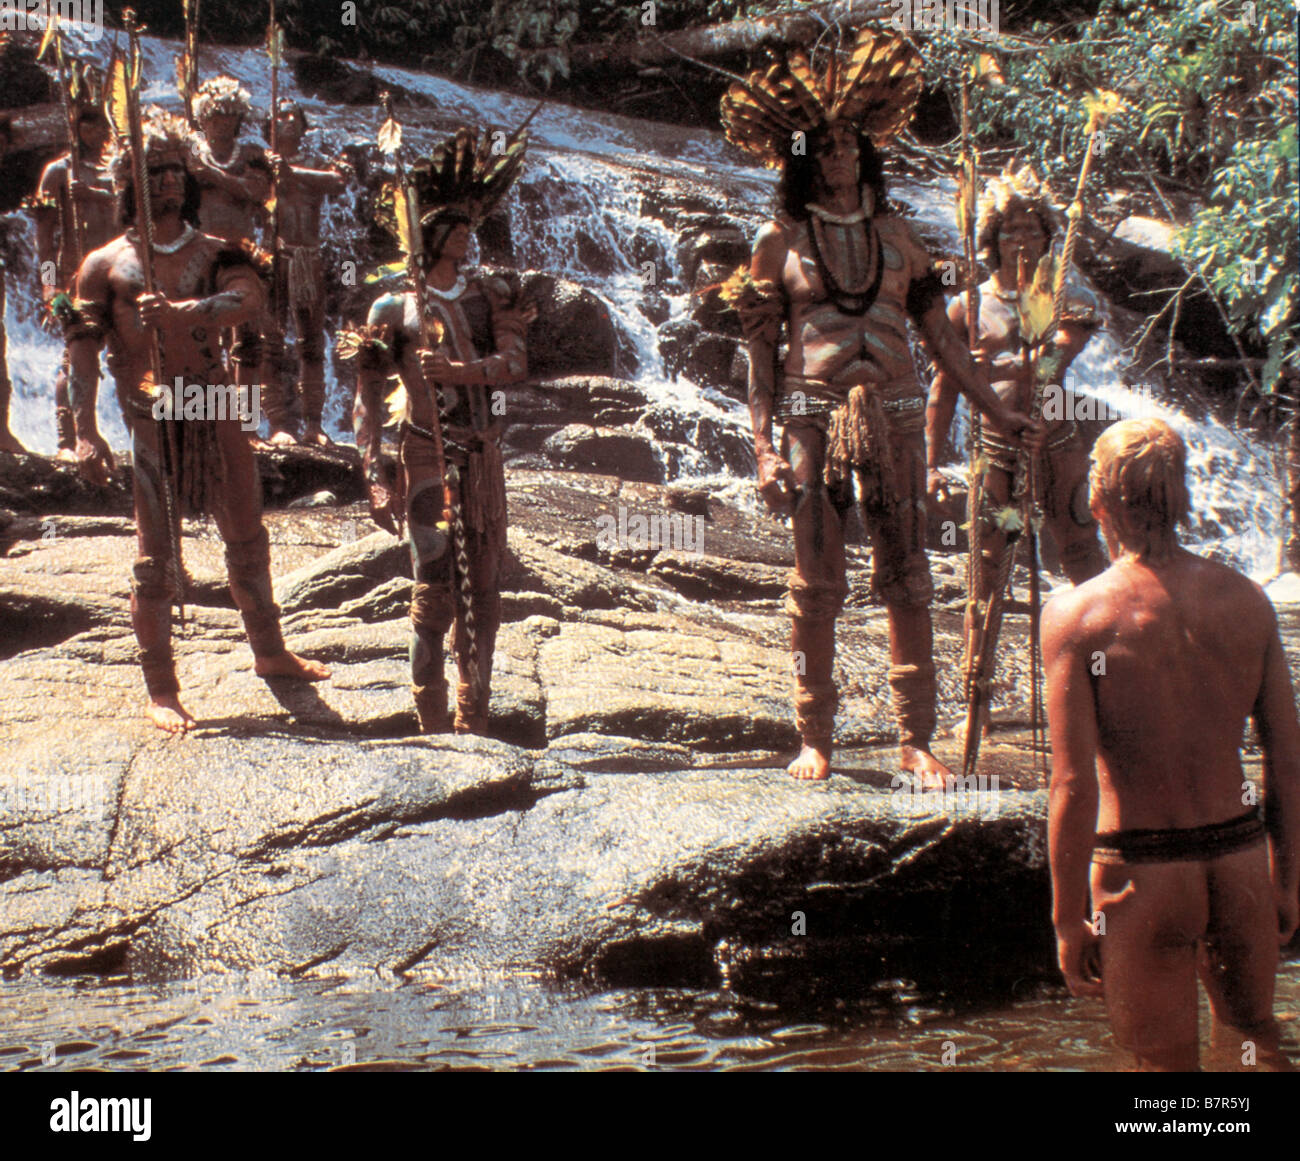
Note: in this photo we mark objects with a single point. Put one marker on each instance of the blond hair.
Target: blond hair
(1139, 479)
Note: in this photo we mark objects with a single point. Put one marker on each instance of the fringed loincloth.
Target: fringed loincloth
(305, 278)
(860, 429)
(193, 447)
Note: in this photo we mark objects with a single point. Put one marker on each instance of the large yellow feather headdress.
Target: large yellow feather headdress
(873, 87)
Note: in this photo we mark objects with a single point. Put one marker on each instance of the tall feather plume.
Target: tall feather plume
(876, 89)
(116, 95)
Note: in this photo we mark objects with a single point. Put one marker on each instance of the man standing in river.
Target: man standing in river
(842, 274)
(1152, 669)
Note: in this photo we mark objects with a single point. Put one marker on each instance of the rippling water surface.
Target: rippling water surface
(266, 1023)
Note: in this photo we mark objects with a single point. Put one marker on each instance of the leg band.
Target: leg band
(914, 696)
(248, 565)
(151, 614)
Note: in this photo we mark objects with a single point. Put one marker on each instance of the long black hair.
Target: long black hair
(799, 176)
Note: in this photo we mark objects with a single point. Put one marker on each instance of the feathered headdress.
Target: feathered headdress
(221, 95)
(463, 176)
(163, 132)
(874, 87)
(1016, 189)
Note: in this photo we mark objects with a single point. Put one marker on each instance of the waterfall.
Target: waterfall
(576, 214)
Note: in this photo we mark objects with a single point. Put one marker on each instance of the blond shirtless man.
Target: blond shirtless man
(1152, 670)
(202, 286)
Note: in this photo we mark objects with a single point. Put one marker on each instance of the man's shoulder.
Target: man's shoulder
(389, 308)
(55, 169)
(1081, 610)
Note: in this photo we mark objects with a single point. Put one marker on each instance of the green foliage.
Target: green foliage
(1210, 108)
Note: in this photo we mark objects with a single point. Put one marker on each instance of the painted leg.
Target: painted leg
(65, 429)
(152, 591)
(912, 681)
(248, 561)
(814, 599)
(431, 603)
(311, 351)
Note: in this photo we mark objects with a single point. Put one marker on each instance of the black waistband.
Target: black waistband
(1193, 843)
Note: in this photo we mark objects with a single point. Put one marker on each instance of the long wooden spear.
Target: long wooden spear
(274, 42)
(967, 200)
(127, 88)
(187, 65)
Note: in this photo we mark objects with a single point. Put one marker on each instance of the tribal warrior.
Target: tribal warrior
(842, 274)
(299, 193)
(234, 181)
(203, 285)
(471, 340)
(76, 212)
(1014, 231)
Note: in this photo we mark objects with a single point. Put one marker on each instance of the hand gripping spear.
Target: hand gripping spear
(124, 84)
(407, 209)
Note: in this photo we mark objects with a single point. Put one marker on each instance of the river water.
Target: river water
(516, 1023)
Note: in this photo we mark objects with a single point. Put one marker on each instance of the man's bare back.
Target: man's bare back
(1153, 668)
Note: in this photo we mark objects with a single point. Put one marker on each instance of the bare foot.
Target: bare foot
(281, 438)
(288, 664)
(314, 436)
(922, 764)
(813, 763)
(66, 455)
(167, 713)
(9, 442)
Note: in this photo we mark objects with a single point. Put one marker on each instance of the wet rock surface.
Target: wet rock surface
(628, 820)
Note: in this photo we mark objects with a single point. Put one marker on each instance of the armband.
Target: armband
(760, 304)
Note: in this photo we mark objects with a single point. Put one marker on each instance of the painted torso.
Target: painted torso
(844, 349)
(193, 353)
(96, 214)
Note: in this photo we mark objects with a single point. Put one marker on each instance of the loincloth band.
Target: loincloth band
(1179, 845)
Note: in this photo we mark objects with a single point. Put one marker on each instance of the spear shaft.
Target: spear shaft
(144, 228)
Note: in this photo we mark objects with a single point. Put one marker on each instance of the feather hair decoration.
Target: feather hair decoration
(873, 87)
(464, 174)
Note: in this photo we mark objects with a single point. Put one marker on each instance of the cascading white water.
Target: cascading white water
(581, 170)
